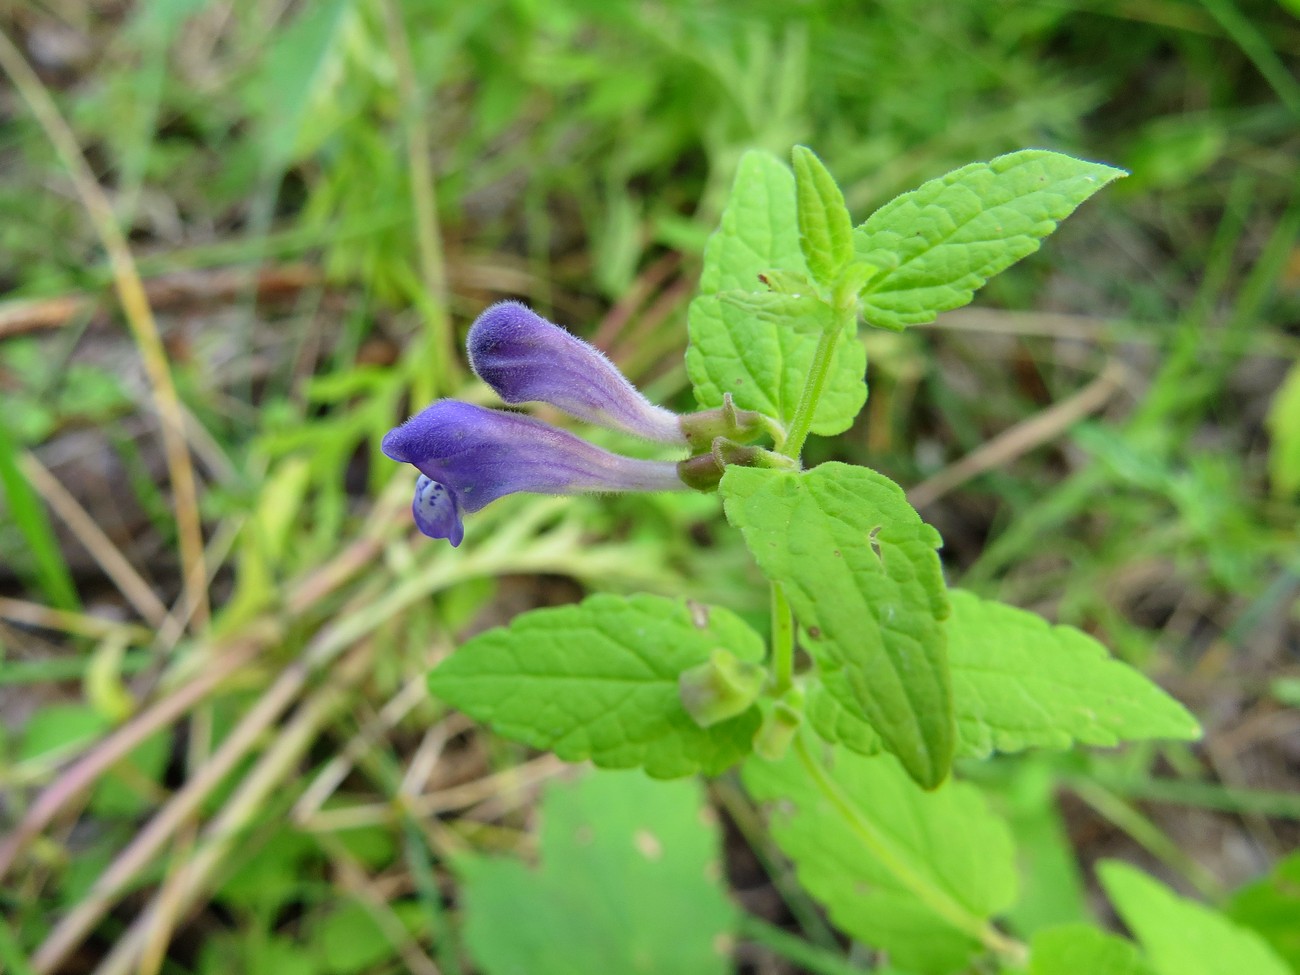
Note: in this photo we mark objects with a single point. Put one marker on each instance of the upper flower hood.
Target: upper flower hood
(525, 359)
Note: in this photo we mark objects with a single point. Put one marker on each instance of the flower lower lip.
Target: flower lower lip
(436, 511)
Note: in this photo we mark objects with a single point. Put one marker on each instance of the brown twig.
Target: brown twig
(172, 291)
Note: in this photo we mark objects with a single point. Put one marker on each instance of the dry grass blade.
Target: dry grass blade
(139, 315)
(75, 624)
(237, 812)
(224, 660)
(115, 565)
(1023, 437)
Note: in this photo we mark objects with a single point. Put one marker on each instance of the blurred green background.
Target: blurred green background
(242, 238)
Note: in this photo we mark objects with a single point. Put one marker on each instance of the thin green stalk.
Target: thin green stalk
(931, 896)
(428, 237)
(797, 900)
(1147, 835)
(783, 944)
(12, 955)
(426, 886)
(812, 391)
(782, 642)
(48, 565)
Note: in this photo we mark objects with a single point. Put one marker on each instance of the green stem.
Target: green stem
(428, 237)
(782, 642)
(815, 385)
(783, 944)
(937, 900)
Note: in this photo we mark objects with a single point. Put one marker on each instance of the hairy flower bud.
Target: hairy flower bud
(527, 359)
(468, 456)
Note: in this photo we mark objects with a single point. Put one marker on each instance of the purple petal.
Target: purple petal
(527, 359)
(436, 513)
(469, 456)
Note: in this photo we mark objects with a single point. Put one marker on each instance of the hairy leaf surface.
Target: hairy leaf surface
(952, 234)
(1020, 682)
(761, 363)
(947, 839)
(1182, 937)
(860, 569)
(598, 681)
(628, 882)
(825, 230)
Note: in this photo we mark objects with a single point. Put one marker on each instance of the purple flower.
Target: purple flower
(527, 359)
(468, 456)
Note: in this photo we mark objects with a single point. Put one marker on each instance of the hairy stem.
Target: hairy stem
(782, 642)
(815, 384)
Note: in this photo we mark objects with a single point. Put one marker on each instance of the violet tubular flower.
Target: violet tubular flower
(527, 359)
(468, 456)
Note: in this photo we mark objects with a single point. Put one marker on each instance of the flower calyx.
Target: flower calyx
(740, 426)
(704, 471)
(720, 688)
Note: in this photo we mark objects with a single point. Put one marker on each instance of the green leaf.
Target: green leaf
(1284, 430)
(801, 312)
(946, 839)
(628, 882)
(1076, 949)
(598, 681)
(1018, 682)
(835, 723)
(1182, 937)
(1052, 890)
(762, 364)
(825, 229)
(348, 939)
(860, 569)
(787, 283)
(1270, 907)
(57, 730)
(133, 785)
(952, 234)
(25, 509)
(265, 874)
(296, 77)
